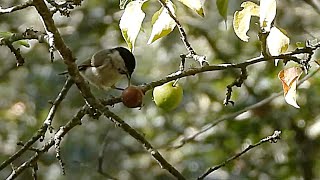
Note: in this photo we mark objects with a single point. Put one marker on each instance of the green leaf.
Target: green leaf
(5, 34)
(300, 45)
(222, 6)
(162, 23)
(24, 43)
(130, 22)
(195, 5)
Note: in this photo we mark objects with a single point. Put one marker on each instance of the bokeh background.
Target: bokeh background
(25, 92)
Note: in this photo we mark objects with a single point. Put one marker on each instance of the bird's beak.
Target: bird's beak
(129, 79)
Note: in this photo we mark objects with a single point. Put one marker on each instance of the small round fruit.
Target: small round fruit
(132, 97)
(167, 96)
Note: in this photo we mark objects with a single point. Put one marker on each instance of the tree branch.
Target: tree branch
(16, 8)
(76, 120)
(65, 52)
(154, 153)
(207, 127)
(191, 53)
(47, 124)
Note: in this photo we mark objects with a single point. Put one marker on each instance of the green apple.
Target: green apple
(168, 96)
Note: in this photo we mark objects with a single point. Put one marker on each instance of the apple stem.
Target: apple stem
(175, 82)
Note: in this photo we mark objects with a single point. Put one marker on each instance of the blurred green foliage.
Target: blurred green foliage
(25, 92)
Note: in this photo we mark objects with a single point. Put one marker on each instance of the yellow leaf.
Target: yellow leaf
(277, 42)
(289, 78)
(241, 19)
(268, 10)
(163, 24)
(195, 5)
(130, 22)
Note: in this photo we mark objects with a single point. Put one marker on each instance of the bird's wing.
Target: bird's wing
(100, 58)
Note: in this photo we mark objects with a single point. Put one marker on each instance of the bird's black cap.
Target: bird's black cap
(128, 58)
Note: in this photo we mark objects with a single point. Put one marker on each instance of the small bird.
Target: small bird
(106, 67)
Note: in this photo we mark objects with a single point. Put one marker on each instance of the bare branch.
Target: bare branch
(62, 94)
(16, 8)
(218, 67)
(76, 120)
(272, 139)
(207, 127)
(47, 124)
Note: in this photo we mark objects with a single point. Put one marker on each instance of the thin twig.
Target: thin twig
(218, 67)
(101, 156)
(272, 139)
(238, 82)
(47, 124)
(191, 53)
(55, 104)
(207, 127)
(16, 8)
(181, 30)
(76, 120)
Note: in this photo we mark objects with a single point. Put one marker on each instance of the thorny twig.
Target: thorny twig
(272, 139)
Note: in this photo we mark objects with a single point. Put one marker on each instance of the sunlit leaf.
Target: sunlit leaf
(300, 45)
(268, 10)
(130, 22)
(289, 78)
(277, 42)
(163, 24)
(195, 5)
(241, 19)
(5, 34)
(222, 6)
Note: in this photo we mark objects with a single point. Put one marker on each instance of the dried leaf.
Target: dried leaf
(289, 78)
